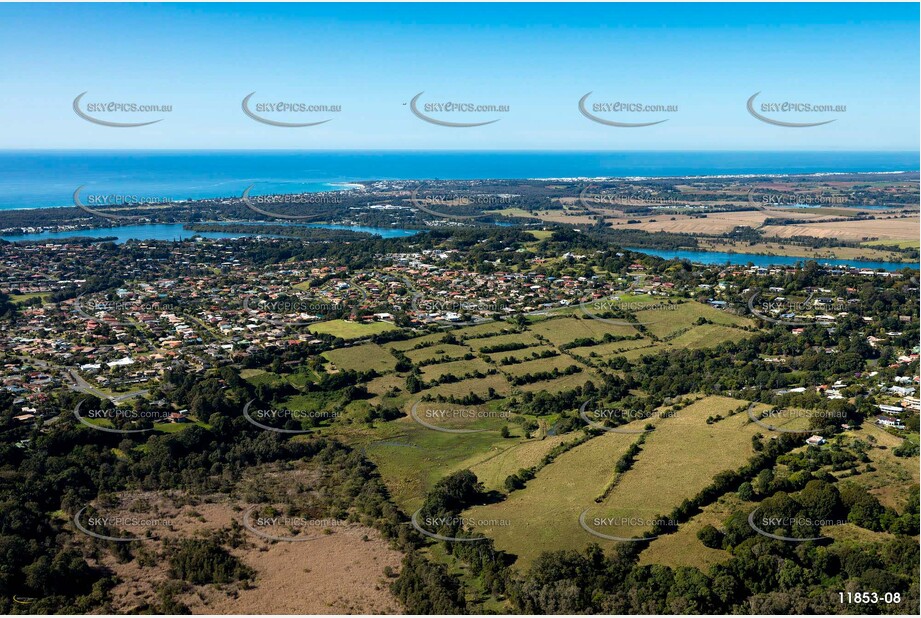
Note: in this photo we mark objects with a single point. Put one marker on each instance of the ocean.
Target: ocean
(36, 179)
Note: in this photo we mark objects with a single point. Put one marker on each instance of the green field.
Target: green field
(683, 548)
(563, 383)
(488, 342)
(567, 329)
(662, 323)
(345, 329)
(606, 350)
(707, 336)
(479, 386)
(409, 344)
(893, 243)
(411, 458)
(892, 477)
(441, 350)
(21, 298)
(560, 362)
(680, 458)
(493, 471)
(458, 368)
(481, 330)
(362, 358)
(544, 516)
(518, 354)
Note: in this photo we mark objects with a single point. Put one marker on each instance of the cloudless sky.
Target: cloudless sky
(539, 59)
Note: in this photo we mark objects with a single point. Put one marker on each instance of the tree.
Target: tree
(710, 537)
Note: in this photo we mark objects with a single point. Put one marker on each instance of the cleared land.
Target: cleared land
(882, 229)
(345, 329)
(362, 358)
(893, 476)
(559, 331)
(680, 458)
(544, 516)
(493, 471)
(458, 368)
(683, 548)
(438, 351)
(411, 458)
(343, 568)
(662, 322)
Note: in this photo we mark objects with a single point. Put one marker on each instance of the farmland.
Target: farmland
(345, 329)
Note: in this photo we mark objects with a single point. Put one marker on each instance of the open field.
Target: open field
(383, 384)
(562, 383)
(21, 298)
(680, 458)
(567, 329)
(480, 330)
(458, 368)
(490, 342)
(683, 548)
(409, 344)
(518, 354)
(544, 516)
(606, 350)
(893, 477)
(411, 458)
(440, 350)
(479, 386)
(345, 329)
(362, 358)
(635, 353)
(824, 253)
(881, 229)
(897, 243)
(708, 335)
(662, 323)
(493, 471)
(543, 364)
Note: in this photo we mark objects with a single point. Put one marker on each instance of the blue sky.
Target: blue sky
(538, 59)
